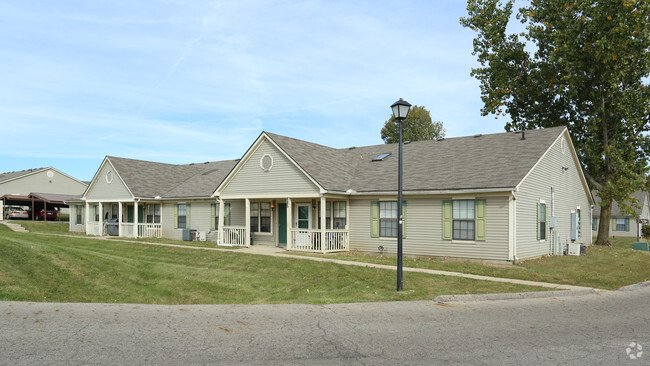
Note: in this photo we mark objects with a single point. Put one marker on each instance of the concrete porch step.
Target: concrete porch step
(16, 227)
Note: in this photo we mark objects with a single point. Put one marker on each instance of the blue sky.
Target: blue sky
(193, 81)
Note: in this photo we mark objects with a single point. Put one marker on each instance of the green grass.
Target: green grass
(50, 227)
(61, 269)
(602, 267)
(202, 244)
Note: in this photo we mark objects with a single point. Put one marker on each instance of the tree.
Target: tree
(417, 126)
(581, 64)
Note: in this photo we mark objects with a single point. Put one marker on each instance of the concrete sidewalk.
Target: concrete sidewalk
(280, 252)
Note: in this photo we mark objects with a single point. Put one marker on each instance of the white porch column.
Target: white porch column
(222, 212)
(101, 219)
(135, 219)
(323, 223)
(289, 225)
(119, 219)
(248, 223)
(87, 217)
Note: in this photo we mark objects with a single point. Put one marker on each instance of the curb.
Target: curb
(636, 286)
(512, 296)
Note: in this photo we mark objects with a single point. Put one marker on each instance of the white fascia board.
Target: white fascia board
(437, 192)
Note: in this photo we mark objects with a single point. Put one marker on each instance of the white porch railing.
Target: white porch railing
(150, 230)
(234, 235)
(128, 230)
(95, 228)
(311, 240)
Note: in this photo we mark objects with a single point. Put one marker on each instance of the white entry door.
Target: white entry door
(303, 216)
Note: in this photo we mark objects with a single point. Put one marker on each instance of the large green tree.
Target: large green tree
(583, 64)
(416, 127)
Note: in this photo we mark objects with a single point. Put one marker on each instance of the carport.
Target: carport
(37, 202)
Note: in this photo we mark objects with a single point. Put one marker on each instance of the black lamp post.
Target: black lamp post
(400, 111)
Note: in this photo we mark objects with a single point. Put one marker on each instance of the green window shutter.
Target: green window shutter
(613, 228)
(188, 224)
(374, 219)
(403, 219)
(226, 219)
(480, 220)
(175, 216)
(447, 220)
(539, 226)
(213, 214)
(627, 224)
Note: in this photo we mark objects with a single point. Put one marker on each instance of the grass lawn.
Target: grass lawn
(61, 269)
(602, 267)
(51, 227)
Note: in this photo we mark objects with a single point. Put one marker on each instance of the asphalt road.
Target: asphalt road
(594, 329)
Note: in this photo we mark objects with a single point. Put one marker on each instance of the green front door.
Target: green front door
(282, 220)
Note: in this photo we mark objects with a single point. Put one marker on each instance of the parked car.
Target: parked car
(51, 214)
(16, 212)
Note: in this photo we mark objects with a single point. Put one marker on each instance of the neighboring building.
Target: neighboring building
(39, 187)
(501, 196)
(624, 224)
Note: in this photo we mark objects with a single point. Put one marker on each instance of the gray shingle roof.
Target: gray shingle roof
(476, 162)
(151, 179)
(494, 161)
(616, 210)
(12, 175)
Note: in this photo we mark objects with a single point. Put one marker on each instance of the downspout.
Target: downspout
(514, 228)
(552, 231)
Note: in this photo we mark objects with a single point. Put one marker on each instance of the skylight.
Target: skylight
(381, 157)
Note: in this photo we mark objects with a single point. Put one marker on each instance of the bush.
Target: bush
(645, 231)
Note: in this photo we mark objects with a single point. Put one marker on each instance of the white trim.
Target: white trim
(266, 170)
(84, 196)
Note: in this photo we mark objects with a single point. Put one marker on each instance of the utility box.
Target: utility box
(552, 222)
(574, 226)
(189, 234)
(574, 249)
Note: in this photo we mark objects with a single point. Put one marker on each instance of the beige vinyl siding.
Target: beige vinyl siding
(283, 178)
(41, 183)
(424, 229)
(628, 234)
(100, 189)
(569, 194)
(200, 216)
(74, 227)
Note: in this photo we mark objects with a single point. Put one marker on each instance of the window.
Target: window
(215, 216)
(114, 211)
(79, 212)
(388, 219)
(463, 220)
(578, 213)
(622, 224)
(541, 221)
(181, 216)
(261, 217)
(340, 215)
(594, 223)
(153, 214)
(265, 217)
(96, 210)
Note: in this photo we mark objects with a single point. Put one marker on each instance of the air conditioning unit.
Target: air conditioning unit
(574, 249)
(201, 235)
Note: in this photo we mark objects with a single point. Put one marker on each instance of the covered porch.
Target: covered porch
(127, 219)
(307, 224)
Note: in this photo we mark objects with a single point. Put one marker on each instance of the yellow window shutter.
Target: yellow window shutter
(447, 220)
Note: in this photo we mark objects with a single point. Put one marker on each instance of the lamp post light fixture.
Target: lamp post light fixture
(400, 111)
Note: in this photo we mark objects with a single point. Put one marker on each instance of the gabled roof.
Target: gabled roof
(147, 179)
(13, 175)
(494, 161)
(5, 177)
(639, 196)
